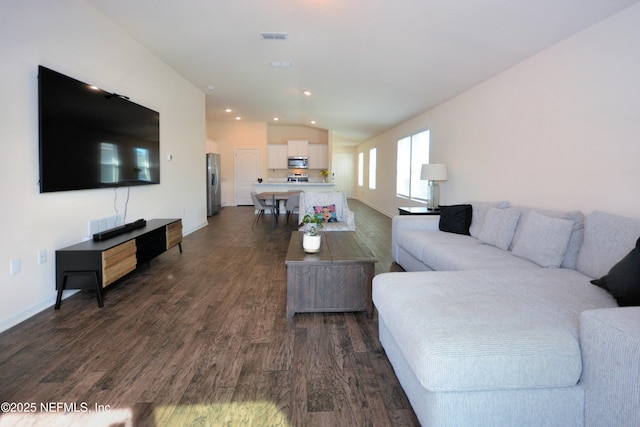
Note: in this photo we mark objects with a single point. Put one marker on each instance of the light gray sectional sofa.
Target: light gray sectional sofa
(503, 327)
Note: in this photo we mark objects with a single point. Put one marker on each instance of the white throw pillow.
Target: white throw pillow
(479, 210)
(499, 226)
(543, 239)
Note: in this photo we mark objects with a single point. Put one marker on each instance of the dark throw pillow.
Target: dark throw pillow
(623, 280)
(455, 219)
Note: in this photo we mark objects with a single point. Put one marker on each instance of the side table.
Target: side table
(417, 210)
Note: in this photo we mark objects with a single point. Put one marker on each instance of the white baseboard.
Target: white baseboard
(28, 312)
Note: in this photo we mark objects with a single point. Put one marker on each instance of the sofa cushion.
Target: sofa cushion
(470, 255)
(577, 233)
(543, 239)
(450, 251)
(607, 239)
(415, 241)
(479, 209)
(623, 280)
(455, 219)
(498, 227)
(488, 329)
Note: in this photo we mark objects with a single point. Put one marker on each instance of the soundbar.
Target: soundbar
(116, 231)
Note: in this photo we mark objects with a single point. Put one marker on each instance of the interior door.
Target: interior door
(342, 164)
(248, 171)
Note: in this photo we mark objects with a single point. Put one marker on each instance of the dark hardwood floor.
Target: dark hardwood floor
(202, 339)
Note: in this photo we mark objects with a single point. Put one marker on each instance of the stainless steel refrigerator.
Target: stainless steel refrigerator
(214, 193)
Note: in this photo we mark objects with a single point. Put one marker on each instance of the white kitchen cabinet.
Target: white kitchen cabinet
(298, 148)
(277, 156)
(318, 156)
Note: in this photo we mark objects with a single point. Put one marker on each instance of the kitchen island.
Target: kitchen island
(294, 186)
(275, 186)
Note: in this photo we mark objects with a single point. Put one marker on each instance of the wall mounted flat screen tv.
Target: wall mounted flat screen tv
(91, 138)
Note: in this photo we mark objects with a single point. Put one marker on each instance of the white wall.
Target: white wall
(280, 134)
(73, 38)
(232, 135)
(559, 130)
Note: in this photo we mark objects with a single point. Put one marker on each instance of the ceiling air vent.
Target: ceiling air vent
(281, 64)
(273, 36)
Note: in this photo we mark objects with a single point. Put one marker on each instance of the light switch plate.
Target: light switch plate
(14, 266)
(42, 256)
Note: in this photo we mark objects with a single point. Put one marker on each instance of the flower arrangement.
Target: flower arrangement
(324, 173)
(315, 220)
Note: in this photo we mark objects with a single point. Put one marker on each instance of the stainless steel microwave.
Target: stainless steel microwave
(298, 162)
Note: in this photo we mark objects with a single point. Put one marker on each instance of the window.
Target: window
(372, 168)
(413, 152)
(361, 169)
(142, 161)
(109, 163)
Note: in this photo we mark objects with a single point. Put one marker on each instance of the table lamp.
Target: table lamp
(433, 172)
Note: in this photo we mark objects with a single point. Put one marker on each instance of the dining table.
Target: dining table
(275, 197)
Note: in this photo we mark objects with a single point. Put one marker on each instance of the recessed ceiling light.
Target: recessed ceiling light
(211, 87)
(313, 122)
(275, 119)
(238, 118)
(307, 93)
(228, 110)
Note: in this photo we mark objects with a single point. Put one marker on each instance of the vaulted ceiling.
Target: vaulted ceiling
(369, 64)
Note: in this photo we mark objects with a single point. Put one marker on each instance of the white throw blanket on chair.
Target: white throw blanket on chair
(346, 218)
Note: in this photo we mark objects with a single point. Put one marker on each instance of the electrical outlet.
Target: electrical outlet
(94, 226)
(14, 266)
(112, 221)
(42, 256)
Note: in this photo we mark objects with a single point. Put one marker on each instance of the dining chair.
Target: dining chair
(292, 204)
(261, 206)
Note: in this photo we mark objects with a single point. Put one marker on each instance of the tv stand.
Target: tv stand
(98, 264)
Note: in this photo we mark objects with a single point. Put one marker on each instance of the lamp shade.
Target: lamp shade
(433, 172)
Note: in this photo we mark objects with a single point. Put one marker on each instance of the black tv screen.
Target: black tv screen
(91, 138)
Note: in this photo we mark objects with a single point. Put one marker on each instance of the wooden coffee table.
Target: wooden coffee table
(338, 278)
